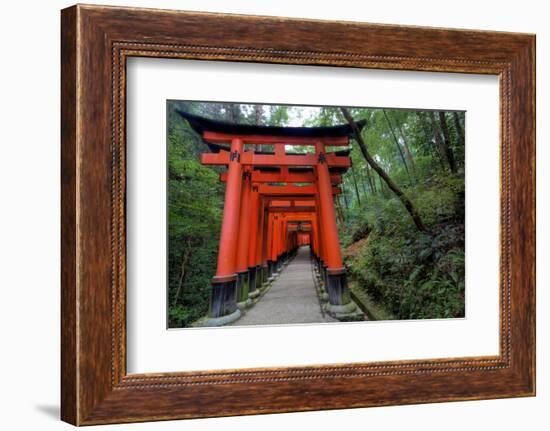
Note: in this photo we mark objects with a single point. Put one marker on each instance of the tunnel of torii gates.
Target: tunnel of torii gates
(275, 202)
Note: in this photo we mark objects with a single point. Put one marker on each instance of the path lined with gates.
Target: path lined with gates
(275, 202)
(291, 299)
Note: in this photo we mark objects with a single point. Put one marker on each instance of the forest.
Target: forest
(400, 214)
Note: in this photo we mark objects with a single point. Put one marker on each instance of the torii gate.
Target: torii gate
(246, 231)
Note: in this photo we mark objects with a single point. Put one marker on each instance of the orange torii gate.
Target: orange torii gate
(267, 249)
(285, 242)
(268, 237)
(259, 271)
(256, 238)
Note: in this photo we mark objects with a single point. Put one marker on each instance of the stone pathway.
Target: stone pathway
(291, 299)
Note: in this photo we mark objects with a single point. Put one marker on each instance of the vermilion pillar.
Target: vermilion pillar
(279, 242)
(285, 243)
(253, 277)
(261, 258)
(274, 231)
(321, 238)
(223, 306)
(266, 249)
(340, 302)
(242, 242)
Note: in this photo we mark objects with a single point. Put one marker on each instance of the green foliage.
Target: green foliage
(405, 273)
(195, 203)
(413, 275)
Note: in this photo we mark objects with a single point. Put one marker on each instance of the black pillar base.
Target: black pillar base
(252, 279)
(264, 271)
(270, 268)
(223, 297)
(337, 287)
(242, 287)
(340, 305)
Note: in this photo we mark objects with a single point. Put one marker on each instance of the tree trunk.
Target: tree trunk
(230, 113)
(447, 140)
(361, 176)
(258, 114)
(339, 211)
(429, 140)
(397, 144)
(183, 273)
(407, 148)
(407, 203)
(258, 120)
(355, 184)
(345, 194)
(437, 136)
(458, 128)
(372, 184)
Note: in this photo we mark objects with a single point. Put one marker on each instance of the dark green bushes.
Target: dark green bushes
(412, 274)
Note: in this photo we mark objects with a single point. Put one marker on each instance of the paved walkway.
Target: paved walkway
(291, 299)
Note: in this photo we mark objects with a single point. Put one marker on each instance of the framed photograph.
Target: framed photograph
(264, 214)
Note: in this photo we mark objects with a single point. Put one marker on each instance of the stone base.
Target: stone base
(243, 305)
(348, 308)
(223, 297)
(340, 305)
(345, 313)
(222, 320)
(336, 285)
(254, 295)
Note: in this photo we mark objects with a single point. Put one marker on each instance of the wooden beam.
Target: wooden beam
(280, 177)
(219, 138)
(249, 158)
(291, 202)
(287, 190)
(282, 209)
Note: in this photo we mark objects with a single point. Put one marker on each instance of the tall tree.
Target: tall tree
(447, 140)
(372, 183)
(437, 137)
(397, 144)
(344, 193)
(232, 112)
(339, 211)
(258, 112)
(426, 125)
(355, 184)
(407, 203)
(362, 177)
(407, 147)
(458, 127)
(183, 272)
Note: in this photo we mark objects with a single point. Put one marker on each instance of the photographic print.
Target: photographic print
(285, 214)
